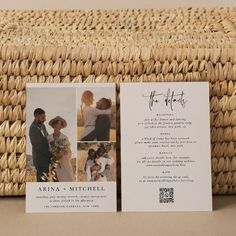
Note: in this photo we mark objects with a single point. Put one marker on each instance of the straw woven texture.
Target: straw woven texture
(118, 46)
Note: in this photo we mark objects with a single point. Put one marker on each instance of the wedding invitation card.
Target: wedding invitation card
(71, 148)
(165, 147)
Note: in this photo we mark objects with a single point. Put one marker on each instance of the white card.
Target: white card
(71, 148)
(165, 147)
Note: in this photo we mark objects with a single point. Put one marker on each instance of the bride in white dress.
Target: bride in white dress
(60, 148)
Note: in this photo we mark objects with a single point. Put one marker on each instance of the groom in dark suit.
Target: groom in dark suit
(101, 131)
(40, 148)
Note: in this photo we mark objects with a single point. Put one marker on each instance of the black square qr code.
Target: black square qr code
(166, 195)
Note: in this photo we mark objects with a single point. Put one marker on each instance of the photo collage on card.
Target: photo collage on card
(71, 133)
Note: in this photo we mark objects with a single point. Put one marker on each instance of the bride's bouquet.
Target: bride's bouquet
(59, 148)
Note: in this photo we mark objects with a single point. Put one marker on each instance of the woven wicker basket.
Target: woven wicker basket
(193, 44)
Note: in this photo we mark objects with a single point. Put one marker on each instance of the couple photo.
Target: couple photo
(51, 152)
(97, 115)
(61, 122)
(96, 162)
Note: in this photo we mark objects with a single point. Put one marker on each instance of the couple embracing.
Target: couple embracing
(51, 152)
(97, 120)
(98, 164)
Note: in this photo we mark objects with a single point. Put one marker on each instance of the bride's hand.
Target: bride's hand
(58, 155)
(97, 177)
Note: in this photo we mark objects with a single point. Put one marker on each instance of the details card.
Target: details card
(165, 147)
(71, 148)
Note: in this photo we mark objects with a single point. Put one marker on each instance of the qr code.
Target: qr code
(166, 195)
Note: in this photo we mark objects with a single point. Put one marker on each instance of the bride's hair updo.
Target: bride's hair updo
(87, 94)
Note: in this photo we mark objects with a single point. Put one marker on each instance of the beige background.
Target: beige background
(88, 4)
(221, 222)
(14, 221)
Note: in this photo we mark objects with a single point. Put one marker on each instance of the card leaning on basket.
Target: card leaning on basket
(118, 46)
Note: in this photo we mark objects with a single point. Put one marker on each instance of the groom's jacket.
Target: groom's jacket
(40, 146)
(101, 131)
